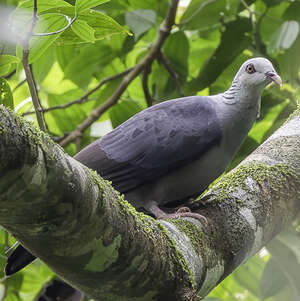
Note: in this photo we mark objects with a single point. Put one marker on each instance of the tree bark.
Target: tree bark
(88, 234)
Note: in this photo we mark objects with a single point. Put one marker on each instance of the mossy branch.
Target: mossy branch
(82, 228)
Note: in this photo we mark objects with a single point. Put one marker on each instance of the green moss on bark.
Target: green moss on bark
(276, 175)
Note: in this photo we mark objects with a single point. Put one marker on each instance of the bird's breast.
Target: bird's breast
(183, 182)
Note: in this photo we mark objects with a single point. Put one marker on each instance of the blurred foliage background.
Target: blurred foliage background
(78, 68)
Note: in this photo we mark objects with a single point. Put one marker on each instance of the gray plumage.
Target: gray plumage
(175, 149)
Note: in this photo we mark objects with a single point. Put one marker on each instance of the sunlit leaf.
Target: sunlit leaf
(44, 5)
(85, 4)
(103, 25)
(84, 31)
(7, 63)
(47, 23)
(248, 275)
(43, 64)
(81, 67)
(6, 97)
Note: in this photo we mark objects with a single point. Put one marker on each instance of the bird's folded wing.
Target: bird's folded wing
(154, 142)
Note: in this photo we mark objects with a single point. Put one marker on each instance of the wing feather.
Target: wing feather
(154, 142)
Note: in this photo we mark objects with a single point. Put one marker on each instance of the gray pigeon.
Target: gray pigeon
(176, 148)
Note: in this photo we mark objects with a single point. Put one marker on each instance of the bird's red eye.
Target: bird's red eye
(250, 69)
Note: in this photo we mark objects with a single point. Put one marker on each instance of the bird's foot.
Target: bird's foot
(181, 212)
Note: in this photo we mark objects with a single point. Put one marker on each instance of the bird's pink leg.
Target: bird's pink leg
(181, 212)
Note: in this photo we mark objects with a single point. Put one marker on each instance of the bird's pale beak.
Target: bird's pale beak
(274, 77)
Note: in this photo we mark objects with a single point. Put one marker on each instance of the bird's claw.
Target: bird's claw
(186, 212)
(181, 212)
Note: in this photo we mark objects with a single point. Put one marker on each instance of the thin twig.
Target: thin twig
(247, 7)
(33, 91)
(78, 143)
(165, 62)
(253, 12)
(164, 31)
(21, 83)
(10, 74)
(85, 97)
(70, 22)
(29, 75)
(148, 97)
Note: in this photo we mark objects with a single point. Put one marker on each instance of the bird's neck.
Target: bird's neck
(239, 107)
(241, 98)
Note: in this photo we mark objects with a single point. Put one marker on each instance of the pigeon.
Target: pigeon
(175, 149)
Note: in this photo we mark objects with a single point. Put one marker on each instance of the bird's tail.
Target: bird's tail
(19, 259)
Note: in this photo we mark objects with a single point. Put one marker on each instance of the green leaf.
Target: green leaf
(84, 31)
(272, 281)
(103, 25)
(7, 63)
(270, 112)
(158, 81)
(284, 37)
(292, 241)
(34, 278)
(289, 62)
(47, 23)
(63, 54)
(248, 275)
(44, 5)
(292, 12)
(8, 59)
(123, 111)
(233, 41)
(69, 118)
(176, 49)
(140, 20)
(160, 6)
(269, 24)
(272, 2)
(287, 261)
(202, 14)
(19, 55)
(85, 4)
(6, 97)
(43, 65)
(81, 67)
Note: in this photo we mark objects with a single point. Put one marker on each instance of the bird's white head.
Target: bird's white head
(257, 73)
(253, 76)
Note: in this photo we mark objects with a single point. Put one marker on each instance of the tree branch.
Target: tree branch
(86, 96)
(147, 94)
(164, 31)
(29, 74)
(83, 229)
(165, 62)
